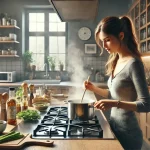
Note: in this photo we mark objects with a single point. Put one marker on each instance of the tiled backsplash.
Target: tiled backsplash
(97, 63)
(15, 64)
(12, 64)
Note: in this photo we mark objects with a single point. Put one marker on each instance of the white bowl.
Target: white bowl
(2, 125)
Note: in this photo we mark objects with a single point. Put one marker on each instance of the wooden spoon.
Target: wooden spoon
(85, 89)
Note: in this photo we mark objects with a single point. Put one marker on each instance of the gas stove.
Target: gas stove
(56, 125)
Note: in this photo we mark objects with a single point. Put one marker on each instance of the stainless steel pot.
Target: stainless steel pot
(81, 111)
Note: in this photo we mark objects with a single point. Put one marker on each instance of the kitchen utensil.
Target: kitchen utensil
(80, 111)
(26, 140)
(85, 89)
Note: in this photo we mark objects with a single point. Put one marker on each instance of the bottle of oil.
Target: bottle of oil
(24, 105)
(31, 87)
(11, 107)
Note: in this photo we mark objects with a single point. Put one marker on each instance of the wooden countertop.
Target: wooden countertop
(104, 143)
(80, 145)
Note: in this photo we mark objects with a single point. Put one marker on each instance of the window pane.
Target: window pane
(53, 17)
(57, 27)
(32, 27)
(36, 44)
(32, 44)
(57, 44)
(40, 44)
(39, 61)
(32, 17)
(62, 44)
(53, 44)
(57, 48)
(40, 27)
(53, 27)
(36, 22)
(62, 27)
(55, 23)
(40, 17)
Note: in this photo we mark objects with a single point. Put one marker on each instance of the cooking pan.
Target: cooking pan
(81, 110)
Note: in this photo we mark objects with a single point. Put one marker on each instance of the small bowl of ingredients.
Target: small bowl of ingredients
(41, 106)
(2, 125)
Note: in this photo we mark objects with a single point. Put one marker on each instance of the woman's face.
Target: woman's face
(109, 42)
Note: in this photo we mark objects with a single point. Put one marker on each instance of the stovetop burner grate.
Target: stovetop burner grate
(55, 124)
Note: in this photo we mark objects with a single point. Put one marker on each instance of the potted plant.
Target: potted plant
(27, 59)
(52, 62)
(61, 65)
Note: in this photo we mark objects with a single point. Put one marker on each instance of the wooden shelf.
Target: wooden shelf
(137, 17)
(144, 11)
(144, 26)
(148, 39)
(9, 56)
(148, 23)
(141, 41)
(9, 42)
(10, 27)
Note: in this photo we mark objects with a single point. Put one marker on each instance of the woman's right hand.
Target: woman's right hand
(88, 85)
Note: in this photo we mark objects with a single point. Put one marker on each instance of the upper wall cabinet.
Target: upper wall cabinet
(140, 15)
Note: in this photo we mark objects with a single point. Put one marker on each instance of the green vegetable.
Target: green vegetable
(7, 134)
(19, 92)
(11, 136)
(29, 115)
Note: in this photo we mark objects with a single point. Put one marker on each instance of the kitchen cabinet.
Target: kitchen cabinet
(140, 15)
(5, 40)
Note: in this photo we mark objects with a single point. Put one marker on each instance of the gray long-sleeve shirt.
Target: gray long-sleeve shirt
(129, 85)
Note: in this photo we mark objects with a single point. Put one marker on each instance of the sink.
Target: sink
(42, 81)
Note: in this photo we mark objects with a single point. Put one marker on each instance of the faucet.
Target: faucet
(46, 71)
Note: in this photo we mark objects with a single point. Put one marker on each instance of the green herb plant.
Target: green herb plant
(29, 115)
(52, 62)
(19, 92)
(27, 59)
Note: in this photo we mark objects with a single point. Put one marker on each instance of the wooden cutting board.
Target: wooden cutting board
(26, 140)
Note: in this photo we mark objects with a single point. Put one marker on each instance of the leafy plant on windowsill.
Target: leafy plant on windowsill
(27, 60)
(52, 62)
(61, 65)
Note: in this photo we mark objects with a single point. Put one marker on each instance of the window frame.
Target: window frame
(45, 34)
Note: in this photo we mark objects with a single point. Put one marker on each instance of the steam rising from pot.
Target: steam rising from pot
(75, 67)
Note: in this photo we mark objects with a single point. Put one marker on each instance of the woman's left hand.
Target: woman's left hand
(105, 104)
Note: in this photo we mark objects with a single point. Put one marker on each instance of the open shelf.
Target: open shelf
(9, 42)
(9, 56)
(10, 27)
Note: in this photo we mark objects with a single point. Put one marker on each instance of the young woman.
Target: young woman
(128, 91)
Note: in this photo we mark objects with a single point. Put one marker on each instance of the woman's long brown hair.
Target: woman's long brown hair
(113, 26)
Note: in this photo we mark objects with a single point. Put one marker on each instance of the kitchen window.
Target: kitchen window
(45, 36)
